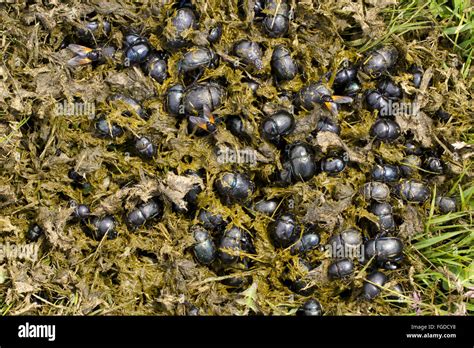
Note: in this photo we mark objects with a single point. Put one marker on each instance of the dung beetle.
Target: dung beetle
(143, 213)
(310, 308)
(278, 125)
(174, 100)
(104, 226)
(351, 89)
(299, 163)
(376, 101)
(92, 31)
(345, 244)
(205, 94)
(388, 251)
(157, 68)
(385, 130)
(326, 124)
(372, 290)
(215, 33)
(211, 221)
(417, 75)
(198, 58)
(389, 89)
(380, 60)
(301, 283)
(204, 249)
(409, 165)
(183, 20)
(267, 207)
(235, 240)
(250, 52)
(107, 130)
(333, 164)
(413, 148)
(434, 164)
(413, 191)
(34, 232)
(236, 126)
(131, 105)
(191, 197)
(145, 148)
(234, 188)
(385, 173)
(283, 65)
(340, 269)
(384, 212)
(253, 85)
(81, 212)
(446, 204)
(317, 93)
(76, 176)
(284, 231)
(377, 191)
(345, 76)
(137, 49)
(309, 241)
(442, 115)
(276, 22)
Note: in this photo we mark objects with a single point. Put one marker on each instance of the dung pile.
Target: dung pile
(213, 158)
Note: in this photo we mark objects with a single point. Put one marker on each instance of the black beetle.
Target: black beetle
(92, 31)
(174, 100)
(215, 33)
(345, 76)
(34, 232)
(137, 49)
(380, 60)
(276, 22)
(81, 212)
(145, 147)
(267, 207)
(278, 125)
(131, 104)
(107, 130)
(205, 94)
(389, 89)
(76, 176)
(346, 244)
(283, 65)
(311, 307)
(104, 226)
(198, 58)
(309, 241)
(284, 231)
(143, 213)
(377, 191)
(250, 52)
(413, 191)
(253, 85)
(301, 284)
(385, 130)
(234, 188)
(317, 93)
(326, 124)
(211, 221)
(384, 212)
(352, 89)
(236, 126)
(434, 164)
(235, 240)
(372, 290)
(299, 163)
(333, 164)
(183, 20)
(385, 173)
(446, 204)
(157, 68)
(388, 251)
(409, 165)
(413, 148)
(204, 249)
(417, 75)
(376, 101)
(340, 268)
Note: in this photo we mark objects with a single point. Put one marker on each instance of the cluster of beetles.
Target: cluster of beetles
(220, 245)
